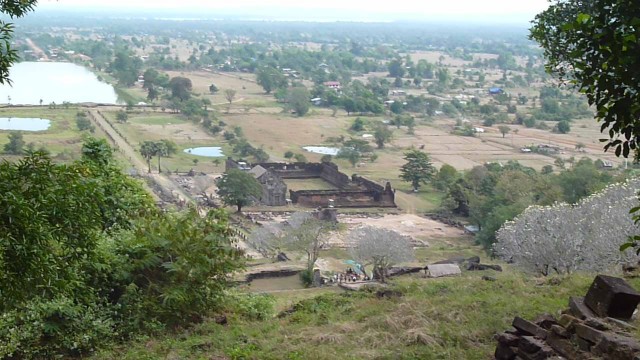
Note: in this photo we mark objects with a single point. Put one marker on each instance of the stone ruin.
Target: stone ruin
(594, 327)
(351, 192)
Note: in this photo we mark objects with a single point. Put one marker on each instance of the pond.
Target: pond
(24, 124)
(324, 150)
(55, 82)
(211, 151)
(291, 282)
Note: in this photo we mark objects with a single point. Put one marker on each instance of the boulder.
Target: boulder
(282, 257)
(610, 296)
(440, 270)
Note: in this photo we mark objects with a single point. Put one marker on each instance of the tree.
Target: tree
(445, 177)
(229, 94)
(180, 88)
(566, 238)
(150, 77)
(382, 135)
(83, 123)
(396, 68)
(580, 39)
(299, 99)
(161, 151)
(122, 116)
(504, 130)
(418, 169)
(148, 151)
(9, 55)
(563, 127)
(270, 79)
(213, 88)
(16, 143)
(238, 188)
(305, 233)
(380, 248)
(358, 125)
(350, 154)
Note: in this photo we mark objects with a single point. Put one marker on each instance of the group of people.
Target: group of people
(349, 275)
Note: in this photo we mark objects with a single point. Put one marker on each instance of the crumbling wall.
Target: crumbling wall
(593, 327)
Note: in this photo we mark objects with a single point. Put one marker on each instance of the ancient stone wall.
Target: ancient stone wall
(593, 327)
(355, 191)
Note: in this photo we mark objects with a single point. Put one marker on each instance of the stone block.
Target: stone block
(545, 321)
(504, 352)
(616, 347)
(507, 339)
(578, 309)
(585, 332)
(532, 348)
(563, 346)
(610, 296)
(568, 322)
(560, 331)
(529, 328)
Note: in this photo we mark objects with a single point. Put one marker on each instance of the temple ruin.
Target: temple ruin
(351, 192)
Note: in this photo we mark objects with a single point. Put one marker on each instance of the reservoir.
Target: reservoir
(54, 82)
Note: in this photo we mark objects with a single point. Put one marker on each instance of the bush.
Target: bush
(50, 328)
(250, 306)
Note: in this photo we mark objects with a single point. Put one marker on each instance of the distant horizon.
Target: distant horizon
(424, 13)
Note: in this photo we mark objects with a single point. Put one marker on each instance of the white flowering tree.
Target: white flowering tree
(381, 248)
(564, 238)
(302, 232)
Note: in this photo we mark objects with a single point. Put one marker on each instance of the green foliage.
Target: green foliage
(288, 154)
(122, 116)
(125, 67)
(601, 35)
(249, 306)
(15, 146)
(358, 124)
(418, 169)
(298, 99)
(300, 157)
(350, 154)
(175, 266)
(271, 79)
(83, 123)
(382, 135)
(51, 328)
(180, 88)
(563, 127)
(238, 188)
(9, 55)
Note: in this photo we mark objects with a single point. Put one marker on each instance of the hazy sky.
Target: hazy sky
(501, 10)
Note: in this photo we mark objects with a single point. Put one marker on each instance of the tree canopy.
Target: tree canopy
(12, 8)
(238, 188)
(594, 45)
(418, 169)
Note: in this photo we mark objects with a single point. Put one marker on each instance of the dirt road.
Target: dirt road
(129, 153)
(38, 52)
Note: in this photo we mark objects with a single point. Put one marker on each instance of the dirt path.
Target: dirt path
(121, 144)
(39, 52)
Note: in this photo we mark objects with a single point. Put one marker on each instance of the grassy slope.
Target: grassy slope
(450, 318)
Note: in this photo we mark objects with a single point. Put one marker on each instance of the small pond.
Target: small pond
(24, 124)
(291, 282)
(211, 151)
(324, 150)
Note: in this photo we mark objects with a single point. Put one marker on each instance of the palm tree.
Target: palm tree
(161, 150)
(148, 151)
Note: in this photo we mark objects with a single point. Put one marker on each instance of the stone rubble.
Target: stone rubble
(593, 327)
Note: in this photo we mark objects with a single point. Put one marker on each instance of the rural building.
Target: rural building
(495, 91)
(335, 85)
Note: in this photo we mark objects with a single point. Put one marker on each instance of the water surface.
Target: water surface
(24, 124)
(324, 150)
(54, 82)
(210, 151)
